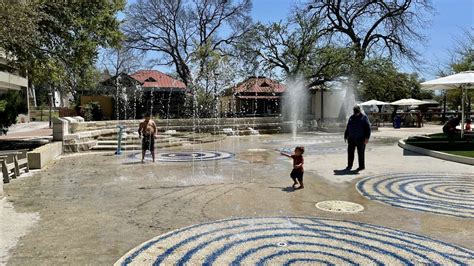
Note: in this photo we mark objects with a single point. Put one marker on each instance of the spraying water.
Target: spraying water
(346, 99)
(295, 103)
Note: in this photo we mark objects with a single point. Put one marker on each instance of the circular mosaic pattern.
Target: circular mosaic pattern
(339, 206)
(295, 240)
(447, 194)
(187, 156)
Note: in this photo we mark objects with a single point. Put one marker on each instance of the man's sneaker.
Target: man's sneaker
(360, 169)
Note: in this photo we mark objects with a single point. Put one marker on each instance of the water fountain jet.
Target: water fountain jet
(295, 103)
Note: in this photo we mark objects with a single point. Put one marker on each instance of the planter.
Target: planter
(40, 157)
(437, 154)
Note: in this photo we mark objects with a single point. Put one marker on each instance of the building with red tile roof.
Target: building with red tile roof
(259, 85)
(147, 91)
(254, 96)
(157, 80)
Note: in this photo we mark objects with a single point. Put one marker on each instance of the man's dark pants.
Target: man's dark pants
(353, 144)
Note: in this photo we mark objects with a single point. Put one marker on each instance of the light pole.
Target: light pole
(50, 94)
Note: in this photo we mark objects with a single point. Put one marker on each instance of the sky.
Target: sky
(450, 19)
(448, 23)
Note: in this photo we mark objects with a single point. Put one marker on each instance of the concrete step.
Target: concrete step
(138, 141)
(133, 137)
(260, 131)
(135, 147)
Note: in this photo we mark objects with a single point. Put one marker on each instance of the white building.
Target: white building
(334, 103)
(12, 79)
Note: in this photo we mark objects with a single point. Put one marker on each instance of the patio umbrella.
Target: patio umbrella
(373, 102)
(408, 102)
(460, 81)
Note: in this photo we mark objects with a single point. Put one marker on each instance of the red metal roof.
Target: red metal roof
(156, 79)
(260, 84)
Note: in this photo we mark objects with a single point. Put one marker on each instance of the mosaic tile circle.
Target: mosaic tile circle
(186, 156)
(293, 240)
(447, 194)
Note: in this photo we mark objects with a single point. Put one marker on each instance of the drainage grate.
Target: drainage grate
(339, 206)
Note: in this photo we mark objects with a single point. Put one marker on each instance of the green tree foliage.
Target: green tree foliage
(11, 104)
(57, 41)
(215, 74)
(383, 82)
(294, 47)
(462, 60)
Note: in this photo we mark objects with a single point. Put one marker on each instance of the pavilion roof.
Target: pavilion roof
(156, 79)
(259, 85)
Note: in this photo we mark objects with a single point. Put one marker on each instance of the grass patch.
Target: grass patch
(36, 115)
(461, 153)
(440, 142)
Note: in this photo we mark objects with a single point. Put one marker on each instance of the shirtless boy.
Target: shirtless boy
(148, 130)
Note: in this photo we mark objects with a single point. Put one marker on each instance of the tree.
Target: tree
(374, 27)
(185, 33)
(117, 61)
(295, 47)
(11, 104)
(57, 42)
(414, 83)
(463, 53)
(218, 72)
(382, 81)
(193, 36)
(462, 59)
(122, 60)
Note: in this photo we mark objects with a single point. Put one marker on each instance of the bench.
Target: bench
(19, 159)
(22, 161)
(8, 167)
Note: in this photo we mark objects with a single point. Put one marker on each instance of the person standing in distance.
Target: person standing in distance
(357, 135)
(148, 130)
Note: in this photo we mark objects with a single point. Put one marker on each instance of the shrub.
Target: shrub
(11, 104)
(92, 111)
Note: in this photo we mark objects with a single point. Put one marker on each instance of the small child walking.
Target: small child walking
(298, 170)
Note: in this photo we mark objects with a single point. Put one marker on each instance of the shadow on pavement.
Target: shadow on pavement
(132, 163)
(410, 153)
(345, 172)
(286, 189)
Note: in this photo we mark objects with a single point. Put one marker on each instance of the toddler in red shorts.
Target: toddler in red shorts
(298, 170)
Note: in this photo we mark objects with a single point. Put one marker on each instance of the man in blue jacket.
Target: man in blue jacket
(357, 135)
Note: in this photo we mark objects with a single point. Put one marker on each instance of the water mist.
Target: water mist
(295, 102)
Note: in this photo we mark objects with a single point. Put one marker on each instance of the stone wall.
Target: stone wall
(78, 135)
(203, 125)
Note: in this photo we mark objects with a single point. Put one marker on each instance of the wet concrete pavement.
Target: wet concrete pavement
(94, 208)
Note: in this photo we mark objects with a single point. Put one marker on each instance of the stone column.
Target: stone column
(60, 128)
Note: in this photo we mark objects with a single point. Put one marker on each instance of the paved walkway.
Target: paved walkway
(28, 131)
(95, 208)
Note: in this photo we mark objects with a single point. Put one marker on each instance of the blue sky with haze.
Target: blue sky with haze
(448, 24)
(450, 20)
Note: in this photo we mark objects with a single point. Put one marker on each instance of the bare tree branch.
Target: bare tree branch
(376, 27)
(186, 33)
